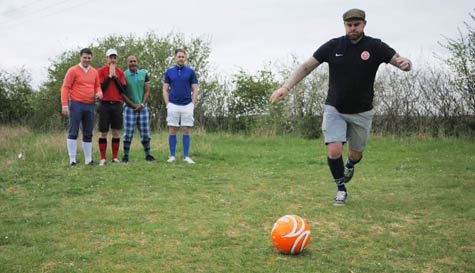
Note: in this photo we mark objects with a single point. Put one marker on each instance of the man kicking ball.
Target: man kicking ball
(348, 112)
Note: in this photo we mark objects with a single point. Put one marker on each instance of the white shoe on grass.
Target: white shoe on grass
(340, 199)
(188, 160)
(115, 160)
(102, 162)
(171, 159)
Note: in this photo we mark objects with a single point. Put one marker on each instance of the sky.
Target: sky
(243, 34)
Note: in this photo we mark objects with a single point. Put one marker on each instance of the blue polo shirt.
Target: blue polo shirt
(180, 80)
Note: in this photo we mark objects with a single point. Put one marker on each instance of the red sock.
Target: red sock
(103, 147)
(115, 147)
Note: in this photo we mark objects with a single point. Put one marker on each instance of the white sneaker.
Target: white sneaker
(188, 160)
(340, 199)
(102, 162)
(171, 159)
(115, 160)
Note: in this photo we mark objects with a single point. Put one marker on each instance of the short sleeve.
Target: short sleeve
(386, 52)
(323, 52)
(194, 79)
(122, 78)
(100, 73)
(166, 78)
(147, 79)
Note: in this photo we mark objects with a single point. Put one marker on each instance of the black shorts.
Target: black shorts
(110, 116)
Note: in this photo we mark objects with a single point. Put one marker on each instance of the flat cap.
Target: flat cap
(353, 14)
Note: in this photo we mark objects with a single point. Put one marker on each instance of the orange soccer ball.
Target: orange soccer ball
(291, 234)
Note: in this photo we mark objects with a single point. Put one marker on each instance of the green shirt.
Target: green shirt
(136, 85)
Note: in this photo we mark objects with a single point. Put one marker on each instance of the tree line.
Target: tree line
(435, 100)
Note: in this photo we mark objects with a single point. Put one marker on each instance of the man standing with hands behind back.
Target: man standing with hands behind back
(80, 88)
(180, 93)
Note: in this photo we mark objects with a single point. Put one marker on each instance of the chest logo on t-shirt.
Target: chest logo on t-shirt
(365, 55)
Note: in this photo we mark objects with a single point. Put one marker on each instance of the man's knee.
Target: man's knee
(186, 130)
(115, 133)
(334, 149)
(354, 155)
(87, 138)
(172, 130)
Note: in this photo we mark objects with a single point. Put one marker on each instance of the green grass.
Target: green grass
(411, 207)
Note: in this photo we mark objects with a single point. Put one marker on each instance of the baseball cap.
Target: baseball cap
(354, 14)
(111, 52)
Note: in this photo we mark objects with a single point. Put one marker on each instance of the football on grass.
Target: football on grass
(291, 234)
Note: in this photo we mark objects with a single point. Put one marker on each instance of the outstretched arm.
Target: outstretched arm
(400, 62)
(302, 71)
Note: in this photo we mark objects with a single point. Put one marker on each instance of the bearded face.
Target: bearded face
(355, 29)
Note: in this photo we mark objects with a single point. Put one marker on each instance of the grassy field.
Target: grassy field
(411, 207)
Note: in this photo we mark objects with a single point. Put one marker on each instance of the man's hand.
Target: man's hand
(99, 95)
(279, 94)
(138, 107)
(403, 63)
(65, 111)
(112, 70)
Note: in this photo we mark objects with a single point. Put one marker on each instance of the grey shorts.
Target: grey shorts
(351, 128)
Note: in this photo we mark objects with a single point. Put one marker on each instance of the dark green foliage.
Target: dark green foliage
(248, 101)
(154, 53)
(16, 96)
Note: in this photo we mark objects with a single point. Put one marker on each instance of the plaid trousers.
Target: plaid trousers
(139, 119)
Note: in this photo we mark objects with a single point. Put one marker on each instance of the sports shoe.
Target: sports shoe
(171, 159)
(340, 199)
(150, 158)
(115, 160)
(125, 159)
(349, 174)
(102, 162)
(73, 164)
(91, 163)
(188, 160)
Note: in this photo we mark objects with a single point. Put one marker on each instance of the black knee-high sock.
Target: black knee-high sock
(350, 163)
(338, 171)
(126, 147)
(146, 147)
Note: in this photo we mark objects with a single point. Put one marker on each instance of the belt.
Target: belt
(110, 102)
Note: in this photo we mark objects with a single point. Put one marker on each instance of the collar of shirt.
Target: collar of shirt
(349, 42)
(135, 75)
(85, 69)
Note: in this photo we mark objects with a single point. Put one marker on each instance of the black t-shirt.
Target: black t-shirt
(353, 68)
